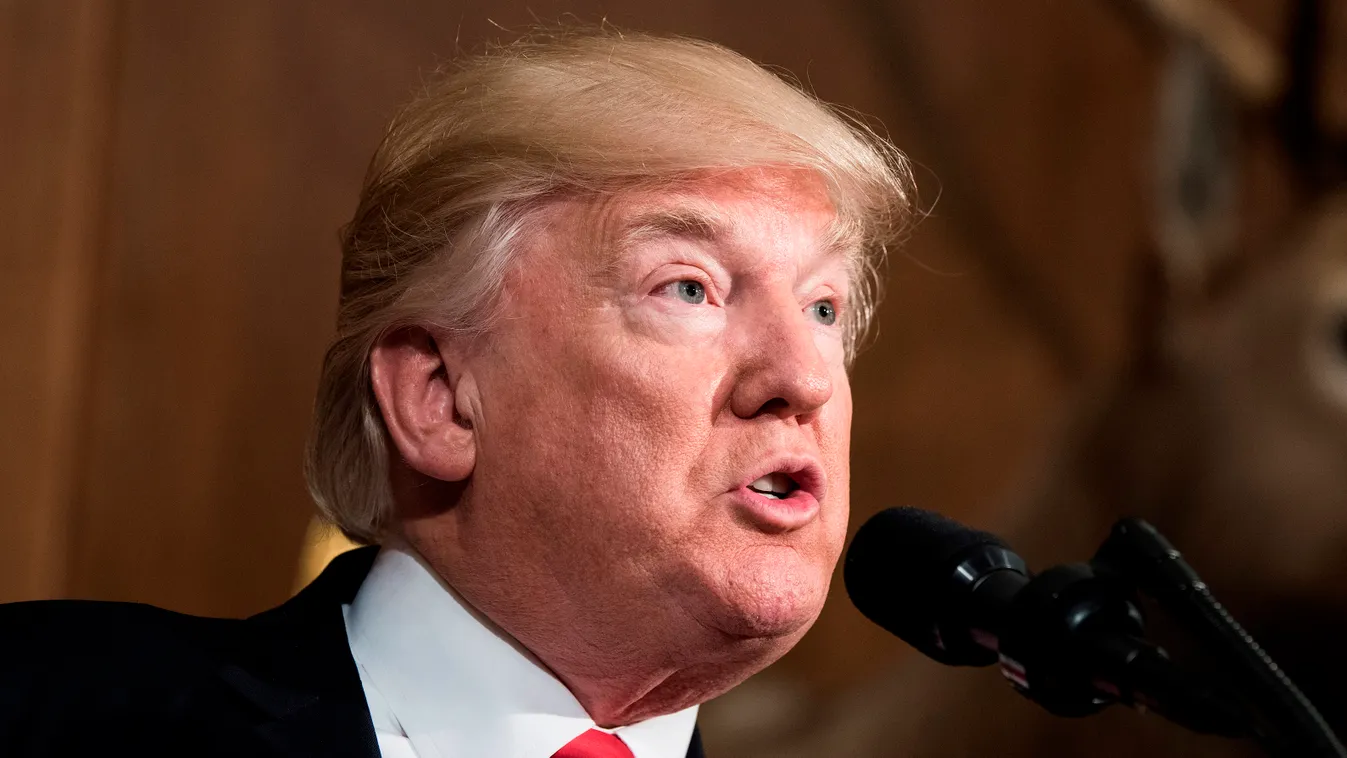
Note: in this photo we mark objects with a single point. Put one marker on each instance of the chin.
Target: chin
(771, 594)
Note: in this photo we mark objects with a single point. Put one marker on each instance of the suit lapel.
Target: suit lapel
(695, 747)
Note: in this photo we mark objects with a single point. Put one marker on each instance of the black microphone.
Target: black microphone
(936, 584)
(1069, 638)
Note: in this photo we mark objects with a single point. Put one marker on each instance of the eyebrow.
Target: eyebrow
(687, 223)
(697, 225)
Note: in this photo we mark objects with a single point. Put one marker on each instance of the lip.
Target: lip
(791, 512)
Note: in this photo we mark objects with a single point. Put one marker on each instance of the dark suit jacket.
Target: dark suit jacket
(85, 678)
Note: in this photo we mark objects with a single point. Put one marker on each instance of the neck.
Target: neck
(618, 678)
(616, 693)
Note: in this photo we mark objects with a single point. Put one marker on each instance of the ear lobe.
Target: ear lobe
(415, 381)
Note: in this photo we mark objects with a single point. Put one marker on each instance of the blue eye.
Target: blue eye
(690, 291)
(825, 312)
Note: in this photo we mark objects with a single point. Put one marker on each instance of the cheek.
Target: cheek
(649, 426)
(835, 450)
(834, 438)
(589, 412)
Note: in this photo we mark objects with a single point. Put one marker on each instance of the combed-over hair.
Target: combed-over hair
(466, 162)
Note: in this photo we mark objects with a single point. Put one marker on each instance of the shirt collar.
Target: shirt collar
(458, 685)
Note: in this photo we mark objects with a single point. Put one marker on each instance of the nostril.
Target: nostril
(773, 407)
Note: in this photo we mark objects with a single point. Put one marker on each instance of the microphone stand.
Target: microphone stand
(1284, 722)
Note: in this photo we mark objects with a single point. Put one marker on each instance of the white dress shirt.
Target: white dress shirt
(443, 682)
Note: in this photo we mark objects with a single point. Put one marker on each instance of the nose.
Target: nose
(783, 374)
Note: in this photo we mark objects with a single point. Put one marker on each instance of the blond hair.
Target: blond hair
(465, 164)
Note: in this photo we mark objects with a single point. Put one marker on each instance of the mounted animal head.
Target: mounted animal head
(1228, 429)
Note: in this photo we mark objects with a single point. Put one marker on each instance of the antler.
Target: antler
(1215, 64)
(1253, 68)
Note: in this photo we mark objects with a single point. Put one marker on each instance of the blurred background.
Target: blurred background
(1127, 296)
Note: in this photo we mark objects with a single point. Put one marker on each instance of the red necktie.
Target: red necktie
(595, 744)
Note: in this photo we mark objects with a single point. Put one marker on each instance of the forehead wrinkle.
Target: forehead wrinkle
(699, 220)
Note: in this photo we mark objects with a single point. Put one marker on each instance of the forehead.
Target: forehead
(731, 208)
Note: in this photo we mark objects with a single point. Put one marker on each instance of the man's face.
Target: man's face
(664, 363)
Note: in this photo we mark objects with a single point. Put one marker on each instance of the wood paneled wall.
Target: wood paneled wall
(175, 174)
(55, 100)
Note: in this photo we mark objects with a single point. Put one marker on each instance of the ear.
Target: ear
(422, 389)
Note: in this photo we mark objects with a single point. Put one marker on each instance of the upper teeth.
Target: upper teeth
(775, 484)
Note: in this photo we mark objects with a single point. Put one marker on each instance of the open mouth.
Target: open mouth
(776, 485)
(783, 499)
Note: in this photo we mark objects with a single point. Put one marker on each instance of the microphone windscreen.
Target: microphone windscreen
(899, 572)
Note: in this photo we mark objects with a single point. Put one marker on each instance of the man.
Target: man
(588, 395)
